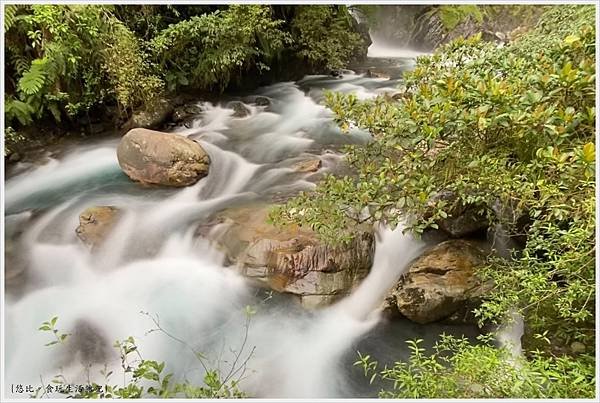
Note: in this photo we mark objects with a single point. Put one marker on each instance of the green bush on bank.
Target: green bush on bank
(63, 61)
(508, 129)
(456, 368)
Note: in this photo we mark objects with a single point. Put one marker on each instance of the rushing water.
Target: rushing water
(382, 50)
(152, 262)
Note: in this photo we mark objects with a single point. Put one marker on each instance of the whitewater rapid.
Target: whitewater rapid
(153, 263)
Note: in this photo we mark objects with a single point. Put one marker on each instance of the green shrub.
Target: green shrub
(457, 368)
(324, 36)
(509, 130)
(210, 50)
(451, 16)
(66, 59)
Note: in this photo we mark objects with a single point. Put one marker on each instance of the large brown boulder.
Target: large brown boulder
(292, 259)
(440, 282)
(95, 223)
(153, 157)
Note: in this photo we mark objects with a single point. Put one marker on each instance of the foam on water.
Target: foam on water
(151, 261)
(79, 167)
(380, 50)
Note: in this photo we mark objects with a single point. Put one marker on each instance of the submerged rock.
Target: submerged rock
(336, 74)
(15, 157)
(15, 262)
(95, 223)
(87, 343)
(440, 282)
(292, 259)
(152, 157)
(262, 101)
(239, 109)
(312, 165)
(16, 254)
(185, 113)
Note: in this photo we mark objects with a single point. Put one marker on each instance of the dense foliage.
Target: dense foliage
(323, 36)
(456, 368)
(451, 16)
(486, 16)
(508, 131)
(64, 61)
(207, 50)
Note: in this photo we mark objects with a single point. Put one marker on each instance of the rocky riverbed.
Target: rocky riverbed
(175, 223)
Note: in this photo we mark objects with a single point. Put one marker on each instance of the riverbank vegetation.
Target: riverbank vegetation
(504, 129)
(67, 62)
(509, 131)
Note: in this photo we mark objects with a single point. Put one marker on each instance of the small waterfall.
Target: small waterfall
(394, 251)
(313, 350)
(381, 50)
(396, 31)
(509, 335)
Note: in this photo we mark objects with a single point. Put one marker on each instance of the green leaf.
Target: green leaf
(570, 39)
(33, 79)
(589, 152)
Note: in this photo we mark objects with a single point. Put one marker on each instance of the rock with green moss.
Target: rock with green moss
(153, 116)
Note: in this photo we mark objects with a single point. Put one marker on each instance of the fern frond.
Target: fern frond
(10, 12)
(15, 109)
(56, 64)
(20, 63)
(33, 80)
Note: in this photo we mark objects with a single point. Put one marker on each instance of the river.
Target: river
(154, 263)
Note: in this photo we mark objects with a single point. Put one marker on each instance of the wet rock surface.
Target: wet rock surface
(152, 157)
(463, 220)
(291, 259)
(440, 282)
(153, 117)
(88, 343)
(240, 110)
(95, 223)
(311, 165)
